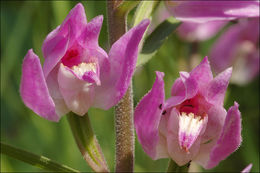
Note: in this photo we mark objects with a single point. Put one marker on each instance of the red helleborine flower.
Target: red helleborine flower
(77, 73)
(192, 125)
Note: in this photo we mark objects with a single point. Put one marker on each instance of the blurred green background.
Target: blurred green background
(25, 24)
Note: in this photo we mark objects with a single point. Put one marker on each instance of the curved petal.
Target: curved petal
(218, 86)
(54, 90)
(180, 156)
(216, 119)
(202, 73)
(223, 50)
(78, 94)
(34, 90)
(147, 116)
(57, 42)
(204, 11)
(89, 36)
(122, 57)
(229, 139)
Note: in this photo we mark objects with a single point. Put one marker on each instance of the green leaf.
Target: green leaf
(33, 159)
(127, 6)
(87, 142)
(154, 41)
(143, 11)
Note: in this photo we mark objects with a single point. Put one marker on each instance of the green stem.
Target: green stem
(33, 159)
(173, 167)
(87, 142)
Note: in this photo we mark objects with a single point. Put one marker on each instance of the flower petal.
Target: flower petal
(202, 73)
(90, 34)
(223, 50)
(216, 119)
(78, 94)
(230, 138)
(122, 57)
(54, 90)
(57, 42)
(204, 11)
(147, 116)
(180, 156)
(34, 90)
(218, 86)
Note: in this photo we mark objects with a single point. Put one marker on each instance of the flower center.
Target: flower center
(190, 127)
(83, 67)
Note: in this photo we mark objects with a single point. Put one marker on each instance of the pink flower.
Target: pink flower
(192, 125)
(205, 11)
(77, 73)
(238, 47)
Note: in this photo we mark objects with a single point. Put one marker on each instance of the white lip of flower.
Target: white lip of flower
(190, 125)
(83, 67)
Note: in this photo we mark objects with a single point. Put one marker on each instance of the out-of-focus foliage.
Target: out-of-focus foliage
(25, 24)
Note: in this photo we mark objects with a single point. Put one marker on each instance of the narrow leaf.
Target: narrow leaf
(127, 6)
(154, 41)
(33, 159)
(87, 142)
(143, 11)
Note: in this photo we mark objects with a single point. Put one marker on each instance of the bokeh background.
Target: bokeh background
(25, 24)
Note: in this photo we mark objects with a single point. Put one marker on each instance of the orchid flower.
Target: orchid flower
(192, 125)
(77, 73)
(205, 11)
(239, 47)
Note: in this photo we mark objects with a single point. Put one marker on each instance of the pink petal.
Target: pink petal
(122, 57)
(223, 50)
(247, 169)
(230, 138)
(90, 34)
(178, 88)
(180, 156)
(34, 90)
(190, 128)
(218, 86)
(54, 90)
(147, 116)
(216, 119)
(202, 73)
(78, 94)
(204, 11)
(58, 41)
(241, 37)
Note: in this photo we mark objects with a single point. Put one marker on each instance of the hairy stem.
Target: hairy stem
(124, 109)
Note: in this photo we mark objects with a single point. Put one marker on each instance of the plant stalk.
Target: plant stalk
(124, 125)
